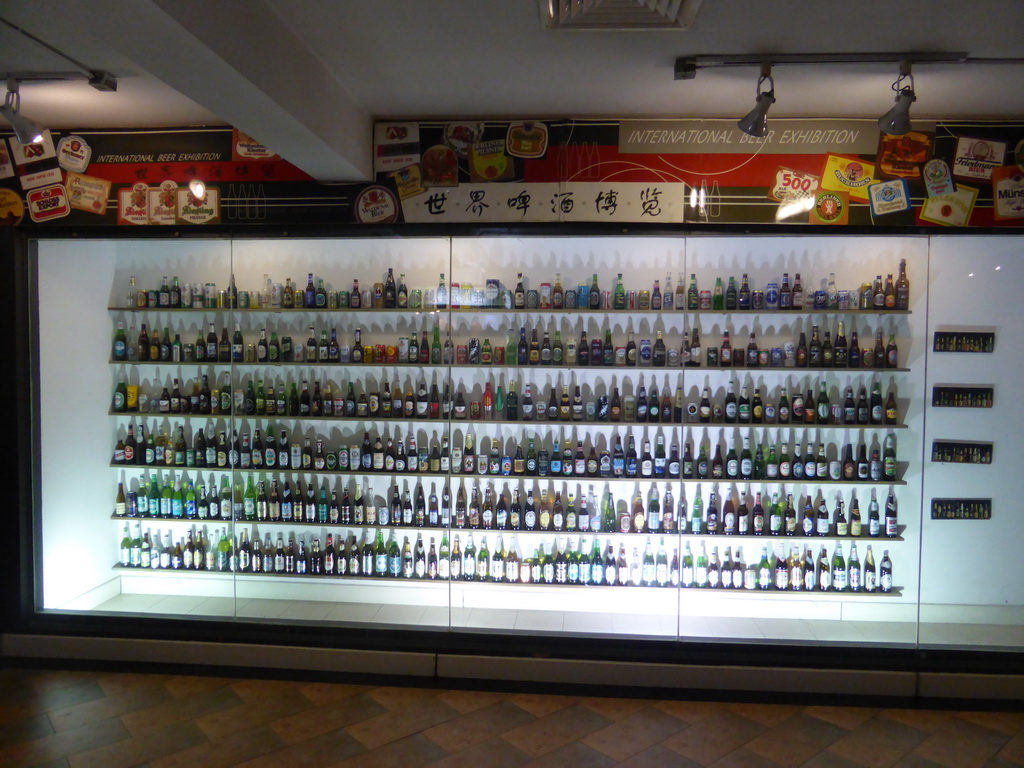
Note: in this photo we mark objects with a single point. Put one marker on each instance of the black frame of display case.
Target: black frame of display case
(18, 572)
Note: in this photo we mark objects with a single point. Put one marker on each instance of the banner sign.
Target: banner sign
(141, 178)
(519, 171)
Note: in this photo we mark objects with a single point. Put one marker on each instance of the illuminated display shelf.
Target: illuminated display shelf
(331, 527)
(413, 582)
(508, 478)
(505, 367)
(482, 309)
(260, 417)
(463, 322)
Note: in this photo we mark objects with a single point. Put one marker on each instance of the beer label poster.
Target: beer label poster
(823, 172)
(817, 172)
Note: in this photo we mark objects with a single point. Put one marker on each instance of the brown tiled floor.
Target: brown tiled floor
(108, 720)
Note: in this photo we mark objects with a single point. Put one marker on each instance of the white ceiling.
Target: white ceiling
(308, 77)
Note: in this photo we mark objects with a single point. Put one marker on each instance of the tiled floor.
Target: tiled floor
(79, 719)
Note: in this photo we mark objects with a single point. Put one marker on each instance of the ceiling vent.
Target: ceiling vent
(612, 15)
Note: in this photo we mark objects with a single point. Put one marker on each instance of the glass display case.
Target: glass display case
(677, 438)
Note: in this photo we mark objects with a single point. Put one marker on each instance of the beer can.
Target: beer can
(355, 456)
(276, 290)
(498, 355)
(461, 354)
(606, 299)
(380, 352)
(343, 299)
(532, 299)
(762, 358)
(712, 357)
(506, 465)
(631, 300)
(403, 348)
(820, 300)
(771, 296)
(545, 295)
(569, 299)
(132, 400)
(391, 354)
(844, 300)
(620, 355)
(757, 299)
(332, 299)
(789, 350)
(473, 355)
(243, 299)
(705, 299)
(645, 351)
(777, 357)
(475, 410)
(188, 353)
(210, 292)
(583, 296)
(416, 298)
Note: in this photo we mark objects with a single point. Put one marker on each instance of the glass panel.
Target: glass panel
(973, 342)
(84, 433)
(567, 450)
(346, 498)
(833, 448)
(327, 500)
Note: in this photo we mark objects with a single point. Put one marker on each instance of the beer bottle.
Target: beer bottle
(764, 571)
(801, 351)
(789, 521)
(814, 351)
(891, 409)
(692, 294)
(827, 352)
(854, 574)
(902, 300)
(839, 579)
(224, 346)
(823, 524)
(886, 572)
(891, 353)
(889, 457)
(120, 349)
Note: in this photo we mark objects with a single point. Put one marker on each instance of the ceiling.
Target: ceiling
(309, 77)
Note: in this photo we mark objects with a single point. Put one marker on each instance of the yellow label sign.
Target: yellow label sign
(848, 174)
(12, 209)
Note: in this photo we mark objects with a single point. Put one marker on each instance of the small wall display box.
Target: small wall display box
(960, 452)
(962, 397)
(956, 341)
(961, 509)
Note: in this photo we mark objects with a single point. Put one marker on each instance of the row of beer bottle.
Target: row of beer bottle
(567, 561)
(559, 508)
(531, 347)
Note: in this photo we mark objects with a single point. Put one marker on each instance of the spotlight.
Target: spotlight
(26, 130)
(197, 188)
(897, 120)
(756, 121)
